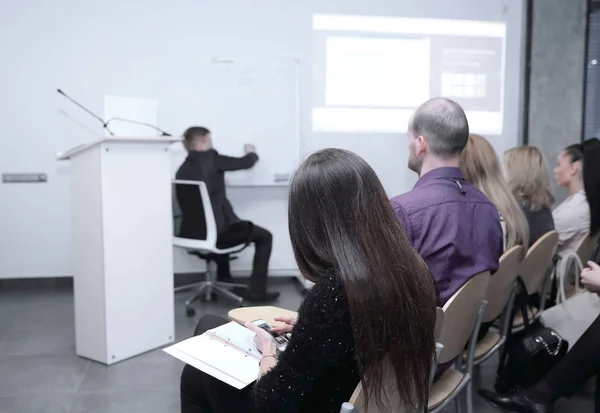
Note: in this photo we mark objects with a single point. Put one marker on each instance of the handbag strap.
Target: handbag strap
(563, 271)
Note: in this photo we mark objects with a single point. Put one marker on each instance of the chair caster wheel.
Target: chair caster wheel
(190, 312)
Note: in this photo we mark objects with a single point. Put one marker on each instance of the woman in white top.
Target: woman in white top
(572, 216)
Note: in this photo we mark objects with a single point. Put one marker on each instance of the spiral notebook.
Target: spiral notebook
(227, 353)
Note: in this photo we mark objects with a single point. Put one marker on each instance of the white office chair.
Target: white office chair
(206, 249)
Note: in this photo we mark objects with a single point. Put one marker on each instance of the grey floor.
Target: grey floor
(40, 373)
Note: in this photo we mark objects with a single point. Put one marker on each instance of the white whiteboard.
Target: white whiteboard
(257, 101)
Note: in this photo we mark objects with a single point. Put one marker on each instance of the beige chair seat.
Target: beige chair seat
(486, 344)
(444, 387)
(267, 313)
(518, 321)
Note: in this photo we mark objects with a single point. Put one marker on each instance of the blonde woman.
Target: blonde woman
(480, 166)
(527, 175)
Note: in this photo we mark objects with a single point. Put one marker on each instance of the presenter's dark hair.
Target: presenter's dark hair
(192, 134)
(340, 219)
(591, 180)
(195, 131)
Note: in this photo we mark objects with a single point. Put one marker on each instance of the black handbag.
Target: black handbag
(528, 355)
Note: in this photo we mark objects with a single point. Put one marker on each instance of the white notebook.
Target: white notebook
(227, 353)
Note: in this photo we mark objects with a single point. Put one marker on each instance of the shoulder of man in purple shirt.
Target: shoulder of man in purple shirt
(453, 226)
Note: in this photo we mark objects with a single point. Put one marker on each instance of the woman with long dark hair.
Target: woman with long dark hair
(372, 306)
(591, 181)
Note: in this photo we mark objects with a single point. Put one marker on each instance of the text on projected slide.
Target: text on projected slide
(372, 72)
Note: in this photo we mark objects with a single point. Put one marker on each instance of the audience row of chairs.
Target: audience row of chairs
(483, 299)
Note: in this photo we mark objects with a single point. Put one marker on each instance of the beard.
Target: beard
(415, 163)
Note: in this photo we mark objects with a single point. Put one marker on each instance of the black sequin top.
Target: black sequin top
(317, 372)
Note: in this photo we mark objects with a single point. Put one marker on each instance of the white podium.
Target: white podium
(122, 246)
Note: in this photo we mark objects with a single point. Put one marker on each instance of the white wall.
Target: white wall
(159, 49)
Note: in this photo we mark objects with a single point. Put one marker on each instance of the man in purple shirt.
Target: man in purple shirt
(453, 226)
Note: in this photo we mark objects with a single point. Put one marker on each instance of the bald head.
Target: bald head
(443, 124)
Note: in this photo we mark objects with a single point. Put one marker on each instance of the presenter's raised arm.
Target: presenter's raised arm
(230, 163)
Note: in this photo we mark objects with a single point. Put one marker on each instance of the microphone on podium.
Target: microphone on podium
(135, 122)
(92, 114)
(105, 124)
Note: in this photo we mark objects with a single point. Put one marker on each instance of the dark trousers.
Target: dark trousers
(263, 244)
(580, 364)
(202, 393)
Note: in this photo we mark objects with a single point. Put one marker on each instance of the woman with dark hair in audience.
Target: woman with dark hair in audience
(591, 181)
(527, 175)
(480, 165)
(373, 304)
(572, 216)
(582, 362)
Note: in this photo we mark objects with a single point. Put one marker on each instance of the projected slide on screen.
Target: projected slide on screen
(372, 72)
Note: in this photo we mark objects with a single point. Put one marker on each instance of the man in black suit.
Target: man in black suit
(204, 163)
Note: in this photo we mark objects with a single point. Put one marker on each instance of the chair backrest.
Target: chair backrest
(198, 219)
(587, 247)
(501, 283)
(392, 401)
(439, 322)
(460, 316)
(537, 261)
